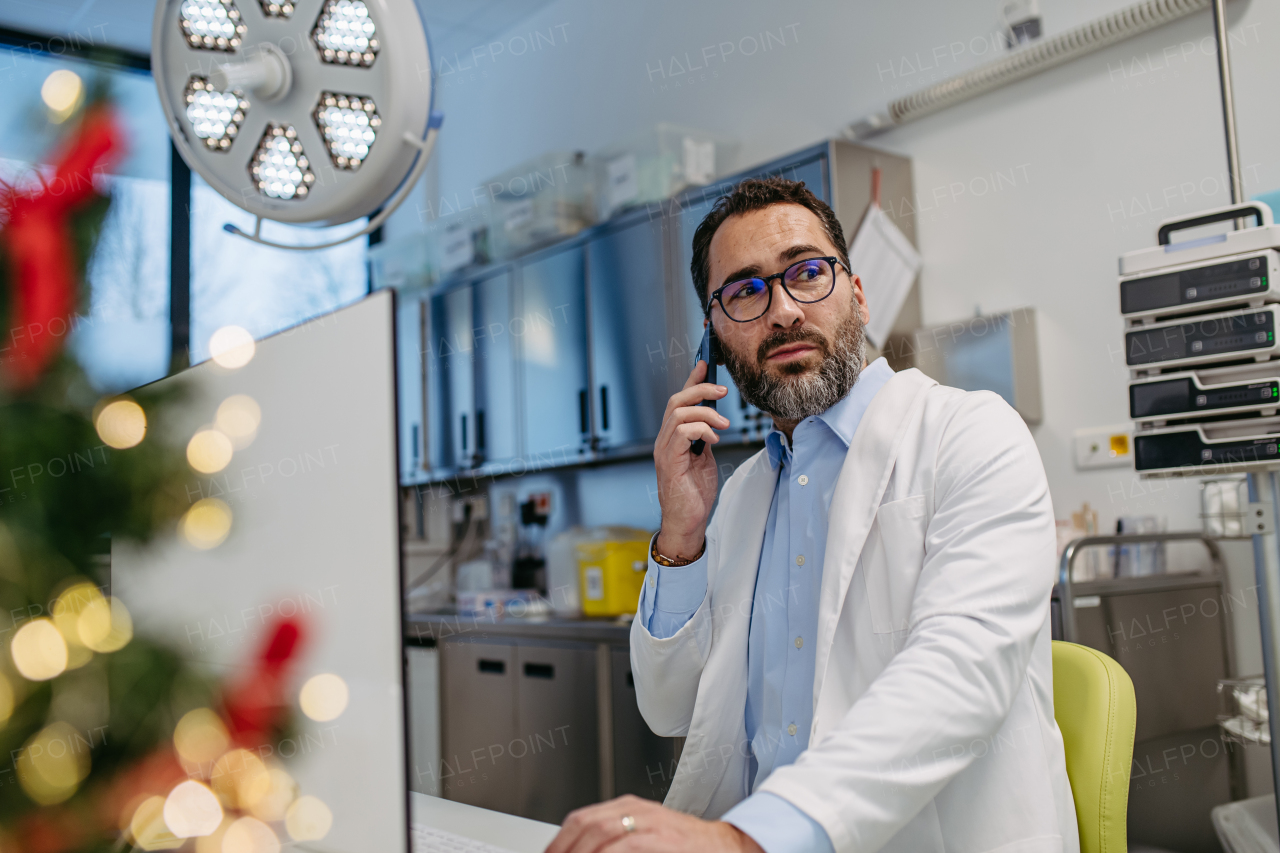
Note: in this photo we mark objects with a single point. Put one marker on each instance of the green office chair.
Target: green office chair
(1094, 705)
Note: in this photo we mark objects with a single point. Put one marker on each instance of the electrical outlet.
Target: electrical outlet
(1104, 447)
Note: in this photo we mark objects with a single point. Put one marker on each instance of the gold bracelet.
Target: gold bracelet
(674, 562)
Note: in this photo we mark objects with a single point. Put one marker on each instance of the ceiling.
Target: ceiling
(456, 26)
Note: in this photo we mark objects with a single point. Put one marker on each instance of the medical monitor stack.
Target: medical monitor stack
(1201, 317)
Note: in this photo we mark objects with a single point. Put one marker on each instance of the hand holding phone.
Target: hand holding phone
(708, 351)
(688, 479)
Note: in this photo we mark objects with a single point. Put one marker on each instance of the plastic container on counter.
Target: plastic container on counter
(611, 570)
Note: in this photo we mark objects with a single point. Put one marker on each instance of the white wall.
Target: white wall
(1088, 157)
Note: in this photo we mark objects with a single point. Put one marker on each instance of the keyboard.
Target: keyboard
(428, 839)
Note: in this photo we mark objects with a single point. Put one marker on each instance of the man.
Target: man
(857, 647)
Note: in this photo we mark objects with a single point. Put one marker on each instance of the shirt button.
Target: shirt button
(799, 642)
(651, 584)
(803, 480)
(791, 729)
(800, 560)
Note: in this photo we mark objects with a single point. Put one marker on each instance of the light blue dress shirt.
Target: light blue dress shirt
(784, 614)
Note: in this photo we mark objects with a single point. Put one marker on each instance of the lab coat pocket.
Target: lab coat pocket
(891, 561)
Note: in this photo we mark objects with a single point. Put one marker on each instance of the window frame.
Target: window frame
(180, 183)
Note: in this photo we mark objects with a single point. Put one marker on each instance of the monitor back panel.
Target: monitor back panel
(315, 536)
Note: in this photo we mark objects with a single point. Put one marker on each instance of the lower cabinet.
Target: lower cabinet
(643, 763)
(556, 750)
(526, 728)
(478, 725)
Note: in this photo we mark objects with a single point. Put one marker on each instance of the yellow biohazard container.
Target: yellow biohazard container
(611, 575)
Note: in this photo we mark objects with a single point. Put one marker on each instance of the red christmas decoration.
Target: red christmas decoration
(37, 240)
(254, 706)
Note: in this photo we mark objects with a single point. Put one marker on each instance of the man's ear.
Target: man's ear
(860, 298)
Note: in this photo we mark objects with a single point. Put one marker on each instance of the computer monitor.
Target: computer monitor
(315, 535)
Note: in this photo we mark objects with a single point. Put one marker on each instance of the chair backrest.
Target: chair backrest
(1094, 706)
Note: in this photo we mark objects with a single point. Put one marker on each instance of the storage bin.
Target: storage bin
(446, 245)
(657, 165)
(540, 201)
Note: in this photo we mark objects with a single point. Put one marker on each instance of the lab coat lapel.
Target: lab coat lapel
(718, 729)
(859, 490)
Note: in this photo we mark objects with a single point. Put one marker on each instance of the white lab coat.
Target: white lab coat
(933, 724)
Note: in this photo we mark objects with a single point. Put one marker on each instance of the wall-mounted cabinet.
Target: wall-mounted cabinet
(568, 354)
(496, 425)
(628, 332)
(554, 377)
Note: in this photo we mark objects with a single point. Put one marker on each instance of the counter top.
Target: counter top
(427, 629)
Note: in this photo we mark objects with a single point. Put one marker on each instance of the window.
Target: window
(235, 281)
(124, 338)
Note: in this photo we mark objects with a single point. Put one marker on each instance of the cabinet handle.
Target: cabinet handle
(464, 433)
(583, 424)
(479, 430)
(604, 407)
(539, 670)
(497, 667)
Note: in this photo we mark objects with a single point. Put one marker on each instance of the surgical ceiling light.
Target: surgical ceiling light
(308, 112)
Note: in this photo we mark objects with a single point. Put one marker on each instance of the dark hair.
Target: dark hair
(756, 194)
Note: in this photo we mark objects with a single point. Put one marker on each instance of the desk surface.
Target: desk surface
(518, 834)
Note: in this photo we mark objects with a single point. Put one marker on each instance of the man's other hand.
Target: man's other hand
(656, 830)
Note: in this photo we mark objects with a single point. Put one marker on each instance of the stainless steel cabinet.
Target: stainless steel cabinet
(643, 763)
(478, 725)
(556, 720)
(550, 324)
(628, 332)
(519, 727)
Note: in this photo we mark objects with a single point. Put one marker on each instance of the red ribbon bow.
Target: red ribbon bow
(37, 239)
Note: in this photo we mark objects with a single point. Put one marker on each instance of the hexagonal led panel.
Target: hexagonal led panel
(344, 33)
(276, 8)
(215, 116)
(212, 24)
(279, 167)
(349, 125)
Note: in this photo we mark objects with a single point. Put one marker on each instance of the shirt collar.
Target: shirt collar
(843, 417)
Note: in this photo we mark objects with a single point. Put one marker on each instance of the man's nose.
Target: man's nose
(784, 311)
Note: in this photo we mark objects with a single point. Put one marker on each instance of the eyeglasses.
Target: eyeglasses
(808, 281)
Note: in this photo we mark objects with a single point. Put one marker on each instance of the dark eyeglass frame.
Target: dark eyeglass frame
(835, 264)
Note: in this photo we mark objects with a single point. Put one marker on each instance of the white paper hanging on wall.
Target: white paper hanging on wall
(886, 262)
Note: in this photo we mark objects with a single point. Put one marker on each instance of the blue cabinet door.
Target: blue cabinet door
(496, 423)
(628, 332)
(747, 422)
(550, 330)
(410, 312)
(451, 366)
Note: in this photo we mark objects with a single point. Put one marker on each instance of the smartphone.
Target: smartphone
(708, 351)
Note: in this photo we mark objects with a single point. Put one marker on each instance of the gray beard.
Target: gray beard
(799, 393)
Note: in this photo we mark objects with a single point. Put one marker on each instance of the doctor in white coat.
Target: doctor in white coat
(856, 647)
